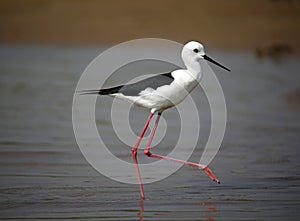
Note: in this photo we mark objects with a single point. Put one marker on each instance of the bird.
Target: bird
(159, 93)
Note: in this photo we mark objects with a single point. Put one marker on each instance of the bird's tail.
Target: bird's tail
(105, 91)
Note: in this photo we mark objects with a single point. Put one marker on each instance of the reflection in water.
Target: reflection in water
(140, 213)
(210, 213)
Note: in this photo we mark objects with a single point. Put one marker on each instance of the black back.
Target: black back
(151, 82)
(135, 88)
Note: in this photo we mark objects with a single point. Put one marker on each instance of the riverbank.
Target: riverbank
(227, 25)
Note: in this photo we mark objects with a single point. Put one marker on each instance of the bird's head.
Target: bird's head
(194, 52)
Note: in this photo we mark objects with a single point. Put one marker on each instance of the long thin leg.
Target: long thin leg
(134, 153)
(149, 154)
(147, 148)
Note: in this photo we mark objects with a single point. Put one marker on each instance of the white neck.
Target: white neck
(194, 69)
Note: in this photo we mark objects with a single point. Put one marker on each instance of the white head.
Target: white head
(192, 53)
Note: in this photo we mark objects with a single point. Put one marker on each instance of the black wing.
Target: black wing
(135, 88)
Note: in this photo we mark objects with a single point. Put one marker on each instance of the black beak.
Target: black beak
(214, 62)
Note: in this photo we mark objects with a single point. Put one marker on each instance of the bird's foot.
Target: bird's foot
(211, 174)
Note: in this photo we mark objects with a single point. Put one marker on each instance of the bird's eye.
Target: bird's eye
(196, 50)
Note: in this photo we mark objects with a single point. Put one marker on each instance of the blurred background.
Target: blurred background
(231, 25)
(45, 45)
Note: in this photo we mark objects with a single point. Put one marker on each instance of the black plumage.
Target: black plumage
(135, 88)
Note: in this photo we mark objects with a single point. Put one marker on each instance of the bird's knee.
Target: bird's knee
(134, 152)
(147, 152)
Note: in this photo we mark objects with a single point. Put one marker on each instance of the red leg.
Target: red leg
(134, 153)
(147, 148)
(149, 154)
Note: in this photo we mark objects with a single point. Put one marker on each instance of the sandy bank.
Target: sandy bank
(218, 24)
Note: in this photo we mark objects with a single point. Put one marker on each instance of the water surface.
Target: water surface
(45, 176)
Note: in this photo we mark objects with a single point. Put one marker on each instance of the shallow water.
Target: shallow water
(45, 176)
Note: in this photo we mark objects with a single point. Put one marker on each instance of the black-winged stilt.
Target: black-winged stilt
(161, 92)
